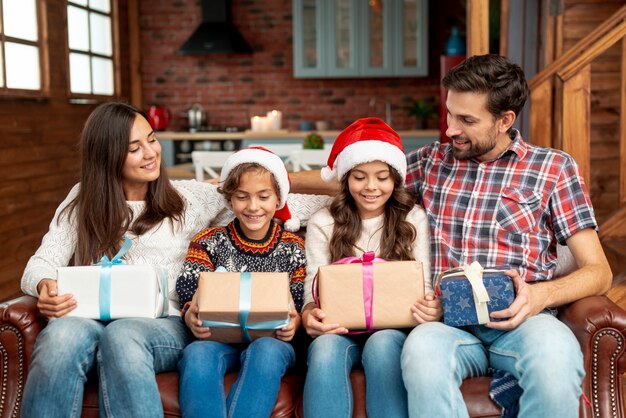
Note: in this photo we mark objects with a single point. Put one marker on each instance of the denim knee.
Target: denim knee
(328, 349)
(383, 346)
(68, 339)
(266, 351)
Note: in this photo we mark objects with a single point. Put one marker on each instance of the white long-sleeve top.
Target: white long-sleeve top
(164, 245)
(320, 230)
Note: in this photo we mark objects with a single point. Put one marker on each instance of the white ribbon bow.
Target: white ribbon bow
(474, 274)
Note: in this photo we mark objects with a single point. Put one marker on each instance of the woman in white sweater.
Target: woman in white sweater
(122, 192)
(372, 212)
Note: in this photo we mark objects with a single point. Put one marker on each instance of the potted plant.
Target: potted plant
(422, 110)
(313, 141)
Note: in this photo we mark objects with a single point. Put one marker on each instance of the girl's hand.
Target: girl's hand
(312, 321)
(194, 323)
(286, 333)
(49, 304)
(427, 309)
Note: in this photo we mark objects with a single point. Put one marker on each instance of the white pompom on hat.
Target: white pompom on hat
(272, 163)
(364, 141)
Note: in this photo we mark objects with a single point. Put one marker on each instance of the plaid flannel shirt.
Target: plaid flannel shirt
(510, 211)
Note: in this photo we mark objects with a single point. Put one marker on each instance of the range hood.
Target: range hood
(216, 33)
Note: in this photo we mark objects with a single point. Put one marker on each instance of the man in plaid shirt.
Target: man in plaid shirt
(492, 198)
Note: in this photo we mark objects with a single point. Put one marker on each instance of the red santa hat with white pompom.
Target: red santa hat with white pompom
(364, 141)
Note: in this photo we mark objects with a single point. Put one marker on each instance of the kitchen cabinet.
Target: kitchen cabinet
(359, 38)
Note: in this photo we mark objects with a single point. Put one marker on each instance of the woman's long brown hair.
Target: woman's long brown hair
(398, 234)
(102, 214)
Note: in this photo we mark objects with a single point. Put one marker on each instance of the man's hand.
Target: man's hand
(427, 309)
(194, 323)
(49, 304)
(312, 321)
(529, 301)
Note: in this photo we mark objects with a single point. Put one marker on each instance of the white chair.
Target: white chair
(206, 161)
(303, 159)
(282, 150)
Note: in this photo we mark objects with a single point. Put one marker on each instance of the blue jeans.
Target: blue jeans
(328, 391)
(127, 352)
(542, 353)
(261, 366)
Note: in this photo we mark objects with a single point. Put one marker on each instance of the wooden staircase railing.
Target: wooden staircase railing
(561, 98)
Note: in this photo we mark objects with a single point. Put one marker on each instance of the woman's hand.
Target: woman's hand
(50, 304)
(312, 321)
(194, 323)
(427, 309)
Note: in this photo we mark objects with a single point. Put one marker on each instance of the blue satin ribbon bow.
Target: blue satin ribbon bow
(105, 278)
(245, 301)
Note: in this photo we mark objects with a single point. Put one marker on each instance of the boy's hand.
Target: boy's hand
(50, 304)
(286, 333)
(312, 321)
(194, 323)
(427, 309)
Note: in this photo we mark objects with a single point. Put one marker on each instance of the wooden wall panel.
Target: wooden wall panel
(38, 153)
(579, 18)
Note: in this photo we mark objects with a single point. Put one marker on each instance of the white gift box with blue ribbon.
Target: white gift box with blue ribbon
(112, 289)
(241, 307)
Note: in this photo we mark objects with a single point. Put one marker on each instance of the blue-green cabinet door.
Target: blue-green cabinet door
(308, 38)
(410, 40)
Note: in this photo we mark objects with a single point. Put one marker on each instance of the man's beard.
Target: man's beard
(475, 150)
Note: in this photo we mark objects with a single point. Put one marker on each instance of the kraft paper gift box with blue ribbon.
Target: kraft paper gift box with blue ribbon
(470, 293)
(241, 307)
(112, 289)
(367, 293)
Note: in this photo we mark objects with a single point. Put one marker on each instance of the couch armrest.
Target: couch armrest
(19, 326)
(600, 327)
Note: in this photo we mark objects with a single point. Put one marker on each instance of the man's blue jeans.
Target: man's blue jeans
(261, 366)
(542, 353)
(128, 353)
(328, 391)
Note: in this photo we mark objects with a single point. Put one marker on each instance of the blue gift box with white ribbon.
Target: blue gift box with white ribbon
(112, 289)
(469, 294)
(241, 307)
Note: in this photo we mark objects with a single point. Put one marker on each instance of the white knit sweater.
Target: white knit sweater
(320, 230)
(163, 245)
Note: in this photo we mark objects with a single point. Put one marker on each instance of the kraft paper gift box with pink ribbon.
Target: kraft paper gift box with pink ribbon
(470, 293)
(112, 289)
(241, 307)
(369, 293)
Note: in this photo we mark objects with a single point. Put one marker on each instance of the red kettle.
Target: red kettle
(159, 117)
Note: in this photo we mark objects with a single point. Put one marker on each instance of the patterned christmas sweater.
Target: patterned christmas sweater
(279, 251)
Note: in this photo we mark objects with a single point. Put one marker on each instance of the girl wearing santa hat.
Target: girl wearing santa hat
(255, 185)
(372, 212)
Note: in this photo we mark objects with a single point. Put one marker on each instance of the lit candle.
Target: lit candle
(274, 120)
(257, 123)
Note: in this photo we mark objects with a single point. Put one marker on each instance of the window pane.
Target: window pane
(22, 66)
(81, 2)
(409, 26)
(77, 29)
(20, 19)
(1, 73)
(101, 5)
(80, 73)
(342, 33)
(102, 75)
(100, 34)
(376, 34)
(309, 33)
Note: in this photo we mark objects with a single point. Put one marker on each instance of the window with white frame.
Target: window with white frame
(20, 48)
(91, 47)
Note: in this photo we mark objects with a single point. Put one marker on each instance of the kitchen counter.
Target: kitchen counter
(177, 145)
(273, 135)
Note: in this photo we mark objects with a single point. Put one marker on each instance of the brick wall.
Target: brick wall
(232, 88)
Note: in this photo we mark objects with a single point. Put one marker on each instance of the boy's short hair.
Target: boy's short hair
(503, 81)
(231, 183)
